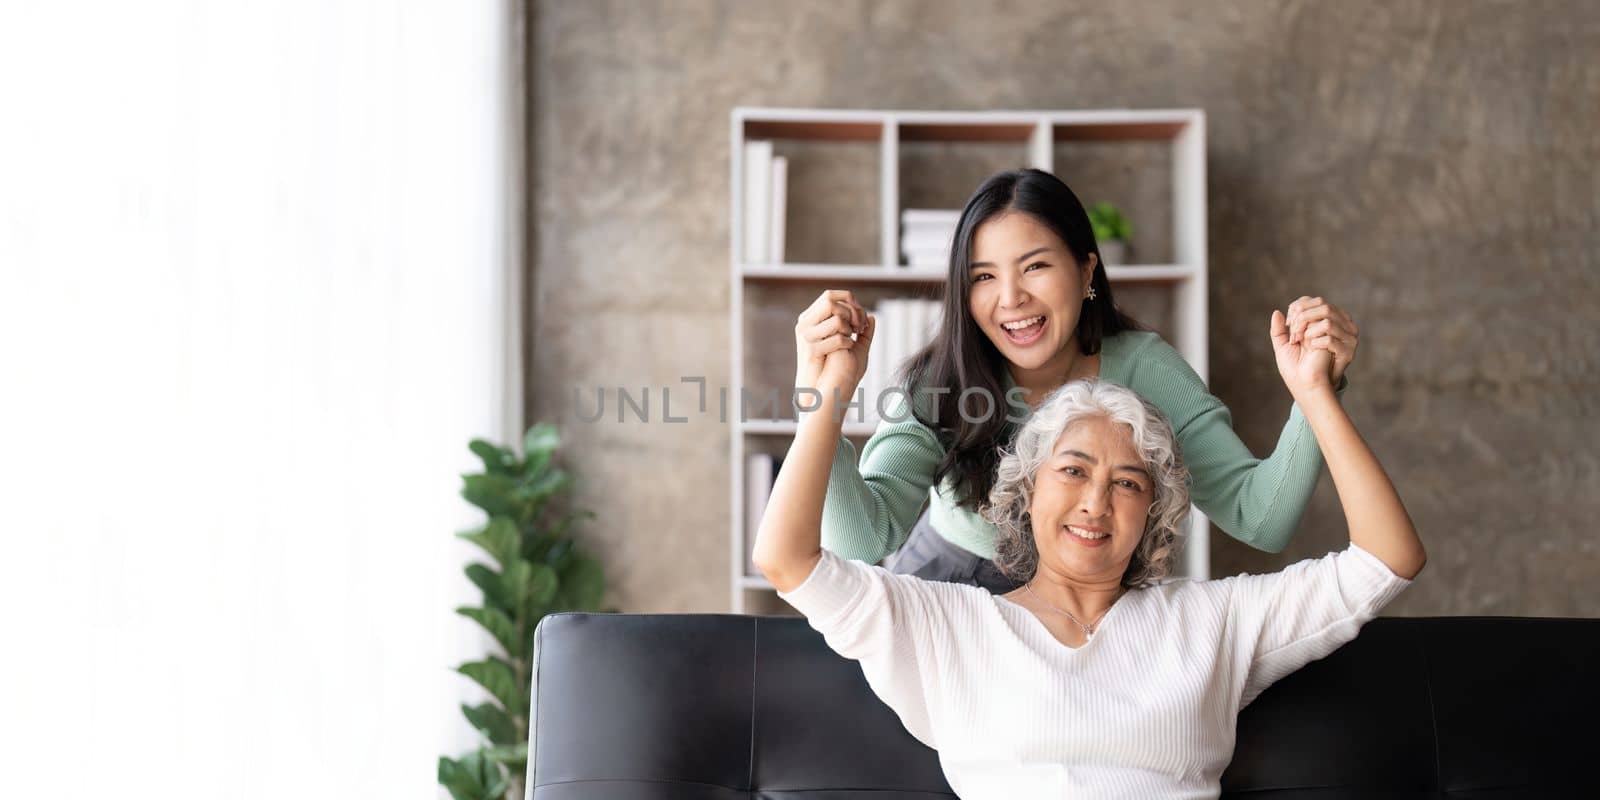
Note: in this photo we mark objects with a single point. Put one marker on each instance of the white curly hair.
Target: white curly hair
(1017, 554)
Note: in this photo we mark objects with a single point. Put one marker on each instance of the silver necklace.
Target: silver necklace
(1088, 630)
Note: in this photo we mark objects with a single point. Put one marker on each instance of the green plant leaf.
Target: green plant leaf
(541, 438)
(496, 676)
(493, 777)
(477, 776)
(561, 554)
(538, 447)
(551, 544)
(533, 494)
(496, 459)
(498, 625)
(514, 582)
(537, 495)
(549, 483)
(513, 757)
(497, 495)
(495, 723)
(462, 778)
(535, 546)
(542, 584)
(499, 539)
(450, 776)
(584, 583)
(1108, 222)
(558, 529)
(493, 591)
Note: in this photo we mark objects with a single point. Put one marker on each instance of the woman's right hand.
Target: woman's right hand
(826, 355)
(1305, 366)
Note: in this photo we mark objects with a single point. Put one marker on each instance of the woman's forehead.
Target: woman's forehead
(1098, 438)
(1011, 233)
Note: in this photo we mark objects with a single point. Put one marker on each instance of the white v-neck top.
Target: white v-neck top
(1145, 708)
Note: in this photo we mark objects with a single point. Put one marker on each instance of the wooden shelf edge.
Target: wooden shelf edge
(1125, 124)
(853, 273)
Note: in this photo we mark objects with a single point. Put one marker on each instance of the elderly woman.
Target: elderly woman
(1091, 678)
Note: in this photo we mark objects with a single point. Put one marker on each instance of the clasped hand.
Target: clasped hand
(1313, 344)
(832, 337)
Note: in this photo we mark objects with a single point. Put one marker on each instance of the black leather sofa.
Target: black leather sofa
(639, 707)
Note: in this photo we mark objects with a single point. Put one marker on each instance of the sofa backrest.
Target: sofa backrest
(638, 707)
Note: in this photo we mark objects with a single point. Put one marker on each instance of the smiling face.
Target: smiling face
(1091, 499)
(1027, 290)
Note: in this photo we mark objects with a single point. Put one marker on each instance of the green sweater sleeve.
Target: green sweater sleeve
(1257, 501)
(869, 510)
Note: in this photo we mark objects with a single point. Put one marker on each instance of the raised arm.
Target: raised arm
(869, 508)
(863, 612)
(789, 543)
(1258, 501)
(1283, 620)
(1378, 521)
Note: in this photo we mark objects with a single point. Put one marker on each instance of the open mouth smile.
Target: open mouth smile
(1024, 332)
(1087, 537)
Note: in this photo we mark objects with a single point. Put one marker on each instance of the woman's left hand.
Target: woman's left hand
(1320, 325)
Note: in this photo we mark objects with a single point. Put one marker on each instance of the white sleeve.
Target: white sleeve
(887, 622)
(1290, 618)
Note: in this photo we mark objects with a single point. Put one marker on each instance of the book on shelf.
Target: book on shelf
(926, 236)
(930, 216)
(938, 257)
(757, 196)
(916, 326)
(766, 190)
(905, 326)
(761, 473)
(778, 205)
(913, 241)
(925, 259)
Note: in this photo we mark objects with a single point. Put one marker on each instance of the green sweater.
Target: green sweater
(871, 508)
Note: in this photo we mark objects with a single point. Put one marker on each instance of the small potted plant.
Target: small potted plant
(1111, 231)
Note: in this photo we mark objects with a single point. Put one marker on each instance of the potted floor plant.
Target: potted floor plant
(534, 567)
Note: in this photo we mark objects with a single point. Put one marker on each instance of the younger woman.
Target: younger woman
(1027, 308)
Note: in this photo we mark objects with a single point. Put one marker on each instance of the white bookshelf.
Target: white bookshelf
(1037, 133)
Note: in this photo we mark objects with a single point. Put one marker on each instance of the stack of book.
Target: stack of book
(905, 326)
(766, 190)
(925, 237)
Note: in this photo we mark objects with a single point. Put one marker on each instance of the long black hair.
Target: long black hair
(961, 358)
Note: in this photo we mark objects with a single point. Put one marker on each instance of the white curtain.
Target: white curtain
(258, 289)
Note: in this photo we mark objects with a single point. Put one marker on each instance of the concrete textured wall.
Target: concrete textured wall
(1431, 166)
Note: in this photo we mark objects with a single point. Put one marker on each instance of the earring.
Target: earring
(1090, 294)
